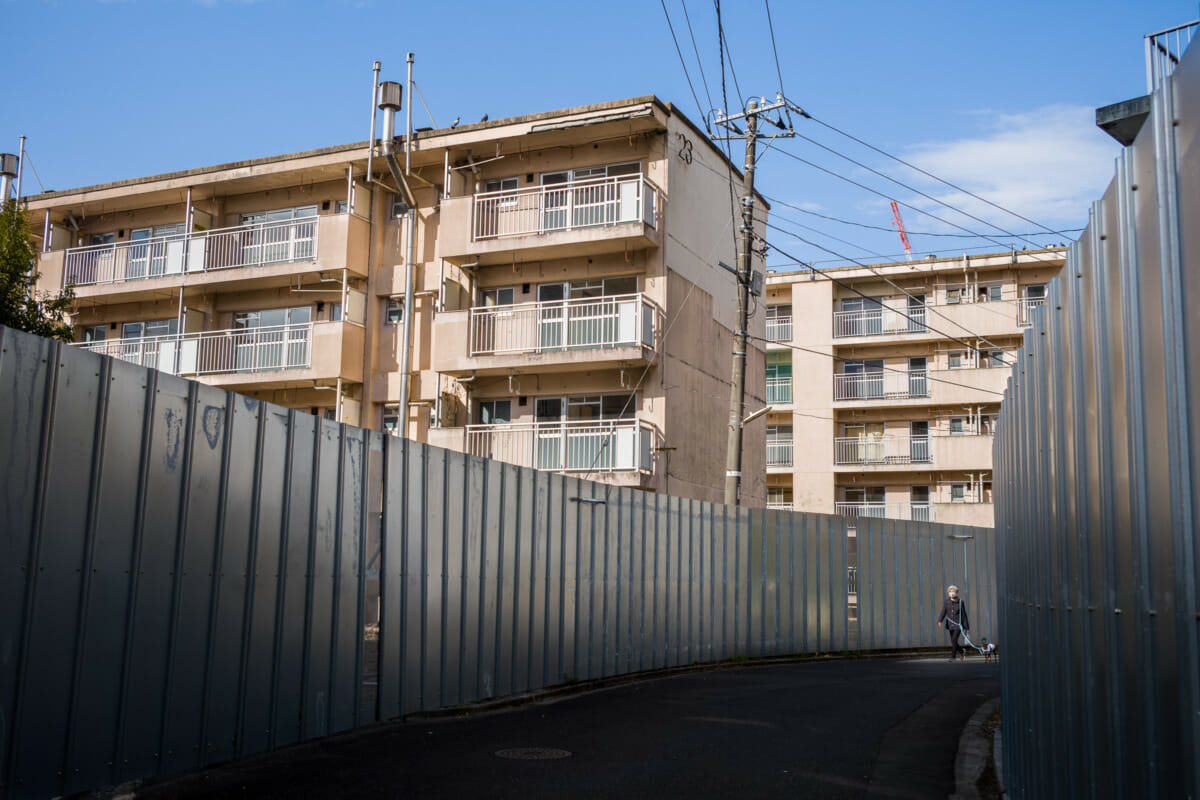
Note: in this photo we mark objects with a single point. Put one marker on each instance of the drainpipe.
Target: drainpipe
(390, 94)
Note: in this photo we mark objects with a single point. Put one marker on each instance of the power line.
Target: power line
(836, 357)
(699, 63)
(858, 292)
(887, 229)
(904, 185)
(819, 233)
(853, 182)
(774, 49)
(885, 278)
(682, 63)
(724, 43)
(929, 174)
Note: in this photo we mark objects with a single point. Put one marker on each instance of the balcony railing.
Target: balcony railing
(780, 505)
(582, 323)
(912, 511)
(1163, 51)
(880, 385)
(878, 322)
(779, 453)
(202, 251)
(883, 450)
(243, 350)
(779, 329)
(779, 390)
(593, 203)
(1026, 308)
(625, 445)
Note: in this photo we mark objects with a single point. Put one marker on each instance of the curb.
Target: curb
(974, 753)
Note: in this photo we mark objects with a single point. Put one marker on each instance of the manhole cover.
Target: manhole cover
(533, 753)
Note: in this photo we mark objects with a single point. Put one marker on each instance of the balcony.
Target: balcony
(779, 329)
(263, 250)
(281, 355)
(890, 385)
(557, 221)
(1026, 308)
(581, 333)
(882, 451)
(878, 322)
(779, 391)
(590, 446)
(779, 505)
(910, 511)
(779, 453)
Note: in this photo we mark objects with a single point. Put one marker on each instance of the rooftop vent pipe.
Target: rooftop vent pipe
(8, 171)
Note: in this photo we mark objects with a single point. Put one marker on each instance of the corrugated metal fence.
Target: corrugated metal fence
(1097, 490)
(188, 576)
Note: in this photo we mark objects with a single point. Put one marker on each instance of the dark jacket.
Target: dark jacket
(955, 611)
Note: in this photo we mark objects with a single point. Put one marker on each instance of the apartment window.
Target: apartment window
(958, 426)
(503, 296)
(391, 419)
(95, 333)
(1035, 291)
(954, 295)
(502, 185)
(494, 412)
(779, 497)
(399, 207)
(393, 312)
(335, 312)
(958, 493)
(587, 407)
(273, 317)
(101, 238)
(342, 207)
(277, 215)
(145, 330)
(991, 359)
(990, 293)
(957, 359)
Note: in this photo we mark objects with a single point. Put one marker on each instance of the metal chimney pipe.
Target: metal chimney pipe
(8, 172)
(371, 141)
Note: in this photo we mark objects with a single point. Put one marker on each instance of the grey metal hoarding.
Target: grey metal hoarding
(189, 576)
(1097, 490)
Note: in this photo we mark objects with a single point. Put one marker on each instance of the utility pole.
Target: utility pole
(755, 108)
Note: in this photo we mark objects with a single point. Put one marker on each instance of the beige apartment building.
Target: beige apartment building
(886, 382)
(568, 312)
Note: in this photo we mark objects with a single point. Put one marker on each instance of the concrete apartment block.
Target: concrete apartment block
(903, 368)
(568, 310)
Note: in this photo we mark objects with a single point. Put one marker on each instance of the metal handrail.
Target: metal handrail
(595, 202)
(623, 320)
(879, 322)
(779, 453)
(257, 244)
(779, 329)
(882, 450)
(910, 511)
(1026, 307)
(599, 446)
(779, 390)
(240, 350)
(1164, 49)
(888, 385)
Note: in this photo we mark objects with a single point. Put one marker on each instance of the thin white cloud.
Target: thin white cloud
(1048, 164)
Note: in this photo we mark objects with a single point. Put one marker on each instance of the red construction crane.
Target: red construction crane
(899, 223)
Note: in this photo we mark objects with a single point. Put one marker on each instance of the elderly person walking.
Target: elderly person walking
(954, 615)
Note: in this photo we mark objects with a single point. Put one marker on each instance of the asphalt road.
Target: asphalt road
(857, 728)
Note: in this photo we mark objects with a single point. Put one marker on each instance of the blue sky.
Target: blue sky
(995, 97)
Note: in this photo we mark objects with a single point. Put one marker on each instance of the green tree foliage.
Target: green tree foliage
(43, 313)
